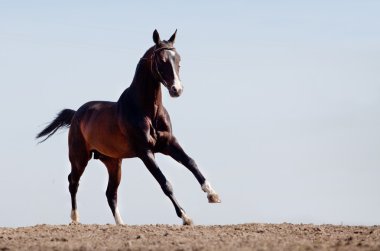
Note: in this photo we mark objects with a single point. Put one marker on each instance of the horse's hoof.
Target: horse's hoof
(74, 216)
(187, 222)
(213, 198)
(74, 223)
(186, 219)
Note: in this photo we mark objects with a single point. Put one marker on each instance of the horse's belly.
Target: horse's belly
(114, 147)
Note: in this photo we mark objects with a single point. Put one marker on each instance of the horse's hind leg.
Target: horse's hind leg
(77, 169)
(79, 157)
(150, 163)
(114, 173)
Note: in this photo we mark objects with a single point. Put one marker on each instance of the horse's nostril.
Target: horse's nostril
(174, 89)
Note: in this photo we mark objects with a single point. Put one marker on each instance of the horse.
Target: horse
(137, 125)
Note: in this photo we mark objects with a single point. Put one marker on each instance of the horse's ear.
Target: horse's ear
(156, 37)
(172, 38)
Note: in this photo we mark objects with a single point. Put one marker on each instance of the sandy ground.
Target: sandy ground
(173, 237)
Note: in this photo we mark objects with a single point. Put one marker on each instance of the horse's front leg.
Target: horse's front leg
(150, 163)
(172, 148)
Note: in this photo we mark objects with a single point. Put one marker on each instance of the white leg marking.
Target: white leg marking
(118, 219)
(186, 219)
(75, 216)
(212, 196)
(206, 187)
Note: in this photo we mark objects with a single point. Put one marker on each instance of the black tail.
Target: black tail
(63, 119)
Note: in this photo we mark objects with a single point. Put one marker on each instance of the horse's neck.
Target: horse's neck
(145, 91)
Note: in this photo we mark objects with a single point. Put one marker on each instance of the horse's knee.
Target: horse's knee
(73, 178)
(167, 188)
(191, 163)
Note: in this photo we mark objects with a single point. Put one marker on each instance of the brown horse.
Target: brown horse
(137, 125)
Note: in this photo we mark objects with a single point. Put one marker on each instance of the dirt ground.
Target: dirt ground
(173, 237)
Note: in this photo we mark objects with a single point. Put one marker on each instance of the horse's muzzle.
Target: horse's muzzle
(175, 91)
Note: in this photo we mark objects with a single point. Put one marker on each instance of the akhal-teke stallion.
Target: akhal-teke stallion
(137, 125)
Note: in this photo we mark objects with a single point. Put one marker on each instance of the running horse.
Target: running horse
(137, 125)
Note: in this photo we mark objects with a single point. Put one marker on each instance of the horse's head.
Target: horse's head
(165, 64)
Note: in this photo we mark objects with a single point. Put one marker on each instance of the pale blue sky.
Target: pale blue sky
(281, 108)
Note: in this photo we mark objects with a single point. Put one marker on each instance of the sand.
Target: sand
(176, 237)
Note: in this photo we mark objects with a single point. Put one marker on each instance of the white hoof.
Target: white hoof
(74, 216)
(212, 196)
(186, 219)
